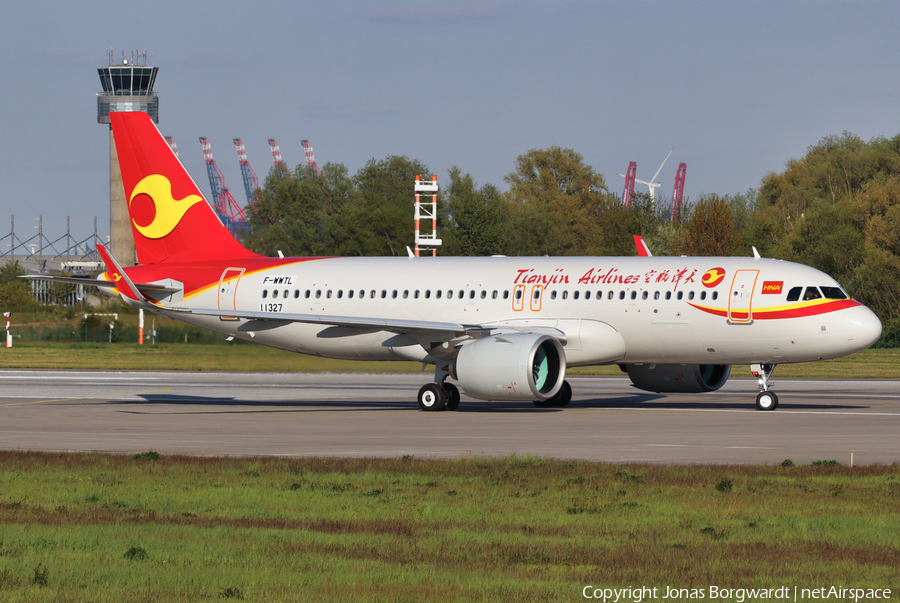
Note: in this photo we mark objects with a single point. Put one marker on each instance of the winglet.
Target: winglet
(124, 285)
(642, 249)
(755, 253)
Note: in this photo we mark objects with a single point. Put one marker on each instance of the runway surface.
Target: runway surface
(376, 415)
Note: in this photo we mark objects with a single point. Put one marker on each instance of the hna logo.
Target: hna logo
(713, 277)
(772, 287)
(166, 212)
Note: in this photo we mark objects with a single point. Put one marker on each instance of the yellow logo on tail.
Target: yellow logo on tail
(169, 211)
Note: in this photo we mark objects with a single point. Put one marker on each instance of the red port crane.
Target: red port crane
(231, 214)
(678, 193)
(630, 176)
(172, 145)
(310, 158)
(251, 182)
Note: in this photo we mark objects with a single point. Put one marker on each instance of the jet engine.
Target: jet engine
(678, 378)
(515, 366)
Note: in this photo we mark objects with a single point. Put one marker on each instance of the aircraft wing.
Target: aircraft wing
(357, 322)
(345, 326)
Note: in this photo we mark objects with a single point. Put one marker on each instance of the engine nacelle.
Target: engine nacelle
(678, 378)
(517, 366)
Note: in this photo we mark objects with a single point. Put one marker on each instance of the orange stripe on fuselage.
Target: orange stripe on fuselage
(798, 310)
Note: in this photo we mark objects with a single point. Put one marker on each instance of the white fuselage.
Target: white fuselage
(658, 306)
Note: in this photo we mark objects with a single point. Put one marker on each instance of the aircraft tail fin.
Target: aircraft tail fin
(171, 220)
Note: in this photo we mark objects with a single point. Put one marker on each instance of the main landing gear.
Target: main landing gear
(562, 398)
(765, 400)
(434, 397)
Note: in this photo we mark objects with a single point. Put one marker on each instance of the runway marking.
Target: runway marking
(79, 398)
(748, 410)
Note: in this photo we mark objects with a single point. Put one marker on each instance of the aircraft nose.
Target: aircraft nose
(864, 327)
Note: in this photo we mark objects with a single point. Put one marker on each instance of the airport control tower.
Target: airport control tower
(127, 86)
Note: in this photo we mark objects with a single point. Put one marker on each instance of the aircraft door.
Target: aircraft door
(227, 291)
(536, 293)
(518, 302)
(740, 300)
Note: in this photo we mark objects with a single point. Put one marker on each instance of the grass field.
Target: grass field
(92, 527)
(870, 364)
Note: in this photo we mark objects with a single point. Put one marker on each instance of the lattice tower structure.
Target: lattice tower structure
(426, 211)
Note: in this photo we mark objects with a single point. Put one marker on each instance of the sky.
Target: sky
(737, 88)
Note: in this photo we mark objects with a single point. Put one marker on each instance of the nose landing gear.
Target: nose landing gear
(765, 400)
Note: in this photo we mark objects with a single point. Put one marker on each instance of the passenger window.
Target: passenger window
(405, 293)
(483, 293)
(494, 294)
(450, 294)
(506, 295)
(645, 295)
(599, 294)
(274, 293)
(834, 293)
(427, 293)
(438, 293)
(296, 293)
(715, 295)
(668, 295)
(621, 295)
(656, 295)
(518, 293)
(587, 295)
(318, 293)
(634, 295)
(462, 294)
(328, 294)
(472, 294)
(703, 295)
(349, 294)
(553, 295)
(340, 293)
(575, 294)
(610, 295)
(416, 294)
(265, 293)
(565, 295)
(794, 294)
(394, 294)
(362, 293)
(306, 295)
(286, 294)
(811, 293)
(372, 293)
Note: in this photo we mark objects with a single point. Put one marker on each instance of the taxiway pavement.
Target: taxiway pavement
(355, 414)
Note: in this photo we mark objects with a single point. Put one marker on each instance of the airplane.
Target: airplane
(502, 328)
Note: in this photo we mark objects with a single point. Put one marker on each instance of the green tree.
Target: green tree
(15, 292)
(378, 219)
(476, 218)
(554, 199)
(708, 229)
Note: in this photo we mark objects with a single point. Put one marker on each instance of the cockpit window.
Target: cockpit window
(811, 293)
(794, 293)
(833, 293)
